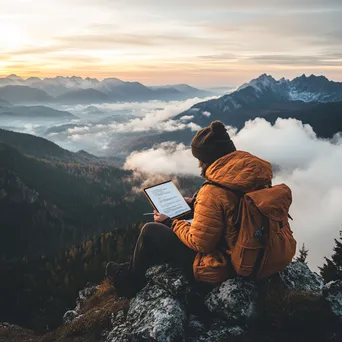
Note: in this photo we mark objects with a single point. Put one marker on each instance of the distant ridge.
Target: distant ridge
(314, 100)
(34, 112)
(265, 95)
(20, 94)
(40, 148)
(78, 90)
(302, 88)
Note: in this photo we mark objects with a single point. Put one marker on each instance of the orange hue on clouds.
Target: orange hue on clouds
(197, 42)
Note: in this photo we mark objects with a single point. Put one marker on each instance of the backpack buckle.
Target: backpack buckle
(259, 234)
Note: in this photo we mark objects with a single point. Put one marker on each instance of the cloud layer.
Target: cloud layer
(96, 132)
(310, 166)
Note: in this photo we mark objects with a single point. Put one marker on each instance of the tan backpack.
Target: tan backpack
(265, 243)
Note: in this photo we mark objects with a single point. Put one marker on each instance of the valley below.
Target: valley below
(71, 174)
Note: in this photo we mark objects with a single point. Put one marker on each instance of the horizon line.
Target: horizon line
(3, 76)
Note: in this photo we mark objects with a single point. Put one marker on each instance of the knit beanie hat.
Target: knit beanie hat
(212, 143)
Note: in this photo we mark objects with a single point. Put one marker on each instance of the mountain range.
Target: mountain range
(314, 100)
(40, 112)
(52, 199)
(44, 149)
(303, 88)
(76, 90)
(265, 95)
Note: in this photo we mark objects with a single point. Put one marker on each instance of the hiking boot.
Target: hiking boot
(120, 276)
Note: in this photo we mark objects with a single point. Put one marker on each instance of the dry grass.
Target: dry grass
(104, 290)
(17, 334)
(96, 314)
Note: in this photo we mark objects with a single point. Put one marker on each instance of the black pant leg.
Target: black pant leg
(157, 244)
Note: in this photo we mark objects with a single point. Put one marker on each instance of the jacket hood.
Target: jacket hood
(241, 171)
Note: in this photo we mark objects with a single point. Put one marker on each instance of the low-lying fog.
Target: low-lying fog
(99, 128)
(309, 165)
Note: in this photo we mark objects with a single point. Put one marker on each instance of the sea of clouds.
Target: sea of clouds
(99, 127)
(309, 165)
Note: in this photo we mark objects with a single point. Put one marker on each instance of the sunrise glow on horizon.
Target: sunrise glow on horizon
(203, 43)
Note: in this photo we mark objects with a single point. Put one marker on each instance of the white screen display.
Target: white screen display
(168, 200)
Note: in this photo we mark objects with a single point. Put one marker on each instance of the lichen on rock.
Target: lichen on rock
(153, 314)
(298, 276)
(234, 299)
(69, 316)
(333, 294)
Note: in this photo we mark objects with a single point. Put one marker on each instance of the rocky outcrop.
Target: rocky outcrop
(83, 296)
(170, 309)
(333, 294)
(217, 330)
(298, 276)
(153, 315)
(234, 300)
(164, 309)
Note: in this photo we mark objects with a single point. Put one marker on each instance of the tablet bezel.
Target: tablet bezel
(149, 199)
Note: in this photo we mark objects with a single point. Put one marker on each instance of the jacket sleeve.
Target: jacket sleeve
(205, 231)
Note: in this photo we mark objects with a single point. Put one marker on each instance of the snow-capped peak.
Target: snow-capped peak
(303, 88)
(260, 83)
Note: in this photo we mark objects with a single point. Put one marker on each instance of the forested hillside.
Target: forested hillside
(35, 292)
(60, 222)
(46, 206)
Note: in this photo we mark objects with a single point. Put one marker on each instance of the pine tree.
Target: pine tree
(332, 269)
(337, 256)
(303, 254)
(328, 271)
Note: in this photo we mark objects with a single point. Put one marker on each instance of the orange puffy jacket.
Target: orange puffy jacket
(214, 213)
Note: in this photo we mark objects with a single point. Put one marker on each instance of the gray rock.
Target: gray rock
(195, 329)
(234, 299)
(69, 316)
(298, 276)
(219, 330)
(162, 312)
(5, 325)
(170, 279)
(153, 315)
(83, 296)
(118, 318)
(333, 294)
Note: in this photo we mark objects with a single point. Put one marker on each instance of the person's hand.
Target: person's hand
(188, 200)
(159, 218)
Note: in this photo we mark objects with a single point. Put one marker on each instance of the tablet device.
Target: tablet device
(167, 200)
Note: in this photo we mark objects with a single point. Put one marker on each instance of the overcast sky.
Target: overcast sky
(200, 42)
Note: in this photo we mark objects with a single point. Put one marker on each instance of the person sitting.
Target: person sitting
(200, 248)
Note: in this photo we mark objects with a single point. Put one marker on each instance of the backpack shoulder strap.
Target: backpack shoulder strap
(237, 193)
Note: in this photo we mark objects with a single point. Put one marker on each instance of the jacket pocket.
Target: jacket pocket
(244, 259)
(212, 268)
